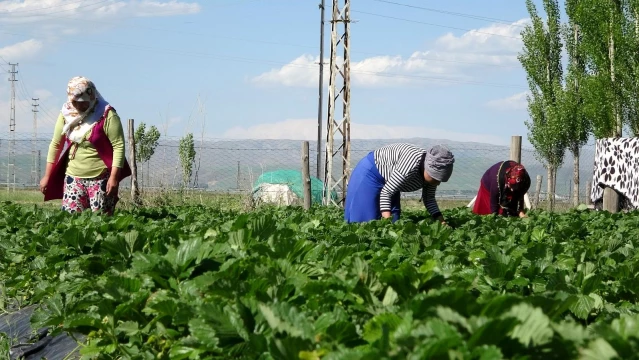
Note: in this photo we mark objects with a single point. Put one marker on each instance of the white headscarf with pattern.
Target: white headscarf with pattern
(77, 124)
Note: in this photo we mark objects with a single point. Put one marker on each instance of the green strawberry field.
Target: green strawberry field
(201, 283)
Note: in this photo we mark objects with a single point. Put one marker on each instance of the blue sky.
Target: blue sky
(227, 63)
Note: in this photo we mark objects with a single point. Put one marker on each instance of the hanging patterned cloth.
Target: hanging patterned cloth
(617, 167)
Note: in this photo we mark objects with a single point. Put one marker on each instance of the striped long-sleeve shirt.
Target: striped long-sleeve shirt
(401, 167)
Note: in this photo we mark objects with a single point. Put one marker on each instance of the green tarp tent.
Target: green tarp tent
(285, 187)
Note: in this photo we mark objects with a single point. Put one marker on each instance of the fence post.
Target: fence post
(237, 181)
(515, 148)
(306, 177)
(38, 171)
(538, 190)
(610, 200)
(135, 192)
(588, 190)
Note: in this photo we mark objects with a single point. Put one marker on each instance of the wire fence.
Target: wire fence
(223, 165)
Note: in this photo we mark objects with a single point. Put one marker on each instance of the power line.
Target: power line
(470, 16)
(209, 36)
(431, 24)
(264, 61)
(25, 93)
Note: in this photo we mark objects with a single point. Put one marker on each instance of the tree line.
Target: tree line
(146, 141)
(583, 77)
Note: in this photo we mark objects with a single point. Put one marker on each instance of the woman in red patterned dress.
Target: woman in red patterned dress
(502, 190)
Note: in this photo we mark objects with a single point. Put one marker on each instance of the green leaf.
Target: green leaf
(476, 255)
(129, 328)
(583, 306)
(312, 355)
(187, 252)
(571, 331)
(451, 316)
(390, 298)
(373, 329)
(180, 352)
(598, 349)
(204, 333)
(487, 352)
(75, 321)
(534, 327)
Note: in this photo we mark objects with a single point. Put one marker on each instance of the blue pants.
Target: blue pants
(362, 193)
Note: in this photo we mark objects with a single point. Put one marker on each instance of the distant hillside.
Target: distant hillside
(217, 162)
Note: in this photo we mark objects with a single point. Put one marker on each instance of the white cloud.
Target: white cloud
(51, 19)
(514, 102)
(160, 8)
(451, 60)
(22, 50)
(306, 129)
(493, 39)
(37, 10)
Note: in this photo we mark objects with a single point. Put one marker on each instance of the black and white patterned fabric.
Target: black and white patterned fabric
(617, 167)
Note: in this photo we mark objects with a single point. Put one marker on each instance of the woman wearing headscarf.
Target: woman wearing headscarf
(86, 161)
(502, 190)
(374, 188)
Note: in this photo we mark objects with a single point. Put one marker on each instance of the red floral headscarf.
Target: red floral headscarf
(516, 182)
(514, 177)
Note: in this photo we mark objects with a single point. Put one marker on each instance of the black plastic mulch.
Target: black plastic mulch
(28, 344)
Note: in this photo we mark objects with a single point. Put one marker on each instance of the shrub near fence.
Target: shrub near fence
(223, 165)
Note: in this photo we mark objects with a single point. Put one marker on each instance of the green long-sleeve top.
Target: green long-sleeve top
(87, 163)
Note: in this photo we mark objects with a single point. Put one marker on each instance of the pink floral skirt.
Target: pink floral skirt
(81, 194)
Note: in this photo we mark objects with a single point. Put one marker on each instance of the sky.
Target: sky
(248, 69)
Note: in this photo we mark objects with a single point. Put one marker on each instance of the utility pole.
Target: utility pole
(34, 154)
(11, 172)
(321, 93)
(338, 126)
(39, 168)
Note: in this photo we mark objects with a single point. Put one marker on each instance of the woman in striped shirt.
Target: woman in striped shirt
(374, 188)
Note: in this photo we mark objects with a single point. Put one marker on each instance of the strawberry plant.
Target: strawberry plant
(200, 283)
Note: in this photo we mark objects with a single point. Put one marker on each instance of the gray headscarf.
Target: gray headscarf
(438, 163)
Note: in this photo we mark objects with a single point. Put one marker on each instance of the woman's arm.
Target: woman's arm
(115, 133)
(51, 154)
(388, 190)
(521, 206)
(55, 140)
(430, 202)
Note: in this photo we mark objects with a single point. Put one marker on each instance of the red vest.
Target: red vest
(99, 139)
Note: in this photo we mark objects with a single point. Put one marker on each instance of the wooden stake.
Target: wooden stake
(538, 191)
(135, 192)
(306, 177)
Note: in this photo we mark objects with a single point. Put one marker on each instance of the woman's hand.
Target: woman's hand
(113, 183)
(112, 186)
(440, 218)
(43, 184)
(522, 214)
(386, 214)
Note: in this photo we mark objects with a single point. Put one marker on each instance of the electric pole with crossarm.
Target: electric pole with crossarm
(339, 90)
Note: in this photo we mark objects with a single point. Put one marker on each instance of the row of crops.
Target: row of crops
(201, 283)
